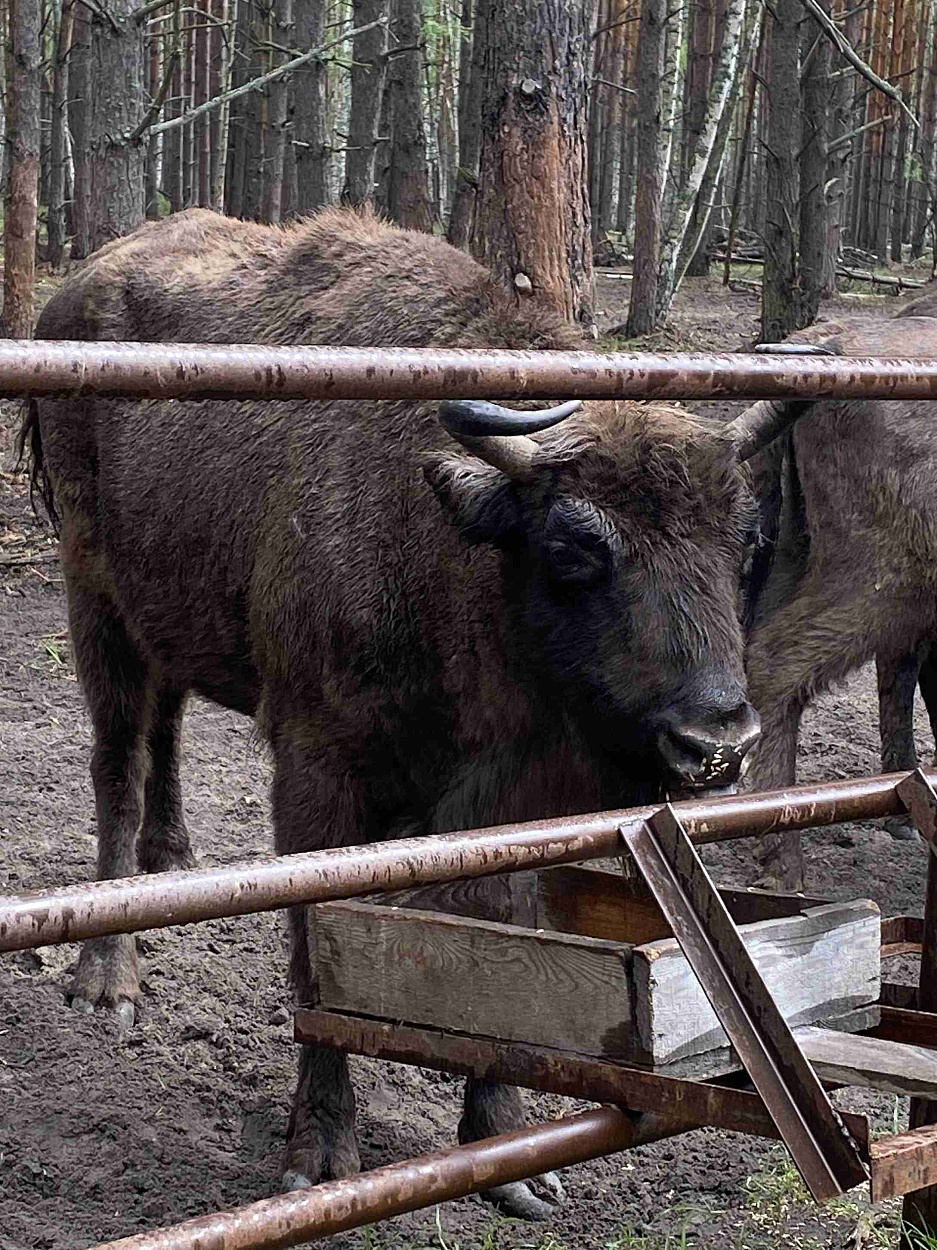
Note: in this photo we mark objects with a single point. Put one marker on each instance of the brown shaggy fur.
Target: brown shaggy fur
(500, 652)
(855, 575)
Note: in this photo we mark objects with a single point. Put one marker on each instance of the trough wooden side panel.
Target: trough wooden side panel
(476, 977)
(603, 904)
(817, 965)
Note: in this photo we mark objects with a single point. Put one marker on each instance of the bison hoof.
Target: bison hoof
(901, 829)
(106, 978)
(295, 1180)
(536, 1199)
(123, 1012)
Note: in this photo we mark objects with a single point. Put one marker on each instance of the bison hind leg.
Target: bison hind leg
(490, 1109)
(164, 844)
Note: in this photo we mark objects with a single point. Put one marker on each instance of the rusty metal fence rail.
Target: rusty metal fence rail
(131, 904)
(251, 371)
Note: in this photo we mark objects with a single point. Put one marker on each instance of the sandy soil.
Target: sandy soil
(104, 1133)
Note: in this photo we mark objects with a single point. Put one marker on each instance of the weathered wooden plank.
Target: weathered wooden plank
(509, 899)
(621, 908)
(872, 1062)
(819, 964)
(474, 976)
(599, 904)
(904, 1162)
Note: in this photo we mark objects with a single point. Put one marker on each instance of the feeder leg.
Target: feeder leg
(920, 1207)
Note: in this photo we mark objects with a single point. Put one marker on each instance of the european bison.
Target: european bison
(850, 491)
(431, 637)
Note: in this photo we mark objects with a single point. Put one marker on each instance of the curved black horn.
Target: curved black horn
(475, 418)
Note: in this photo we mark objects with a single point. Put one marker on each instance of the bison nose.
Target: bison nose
(708, 751)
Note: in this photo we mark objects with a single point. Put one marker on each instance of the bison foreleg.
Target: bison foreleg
(114, 678)
(491, 1109)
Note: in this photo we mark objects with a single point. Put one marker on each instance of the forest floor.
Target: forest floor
(104, 1132)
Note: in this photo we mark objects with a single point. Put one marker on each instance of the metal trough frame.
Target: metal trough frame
(651, 1106)
(906, 1163)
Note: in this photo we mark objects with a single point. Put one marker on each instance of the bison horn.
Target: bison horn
(761, 424)
(498, 435)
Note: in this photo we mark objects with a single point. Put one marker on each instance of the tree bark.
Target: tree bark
(408, 200)
(642, 309)
(367, 90)
(23, 122)
(782, 306)
(471, 81)
(278, 116)
(814, 218)
(58, 154)
(532, 211)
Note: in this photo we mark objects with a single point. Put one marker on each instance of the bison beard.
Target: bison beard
(431, 637)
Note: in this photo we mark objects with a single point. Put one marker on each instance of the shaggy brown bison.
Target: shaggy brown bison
(850, 493)
(432, 636)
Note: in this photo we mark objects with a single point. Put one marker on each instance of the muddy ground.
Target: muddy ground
(104, 1133)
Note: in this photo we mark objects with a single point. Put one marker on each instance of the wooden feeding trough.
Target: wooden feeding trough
(584, 961)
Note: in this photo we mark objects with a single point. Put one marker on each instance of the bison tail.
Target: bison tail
(29, 452)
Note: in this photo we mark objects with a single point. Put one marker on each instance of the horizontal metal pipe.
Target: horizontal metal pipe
(127, 905)
(242, 371)
(334, 1207)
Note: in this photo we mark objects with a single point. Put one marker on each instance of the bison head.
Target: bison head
(624, 536)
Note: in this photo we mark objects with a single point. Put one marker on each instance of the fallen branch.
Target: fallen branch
(47, 557)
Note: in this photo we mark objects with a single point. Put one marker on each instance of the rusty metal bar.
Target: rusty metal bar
(273, 372)
(906, 1025)
(334, 1207)
(556, 1072)
(128, 905)
(813, 1132)
(919, 1209)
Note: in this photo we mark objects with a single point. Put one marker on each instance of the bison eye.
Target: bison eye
(579, 563)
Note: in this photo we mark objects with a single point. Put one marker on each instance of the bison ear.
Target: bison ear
(479, 500)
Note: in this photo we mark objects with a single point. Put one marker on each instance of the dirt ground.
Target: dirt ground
(104, 1132)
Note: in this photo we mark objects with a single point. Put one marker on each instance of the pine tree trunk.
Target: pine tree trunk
(218, 83)
(642, 310)
(58, 149)
(203, 123)
(278, 116)
(928, 146)
(782, 310)
(309, 111)
(532, 212)
(79, 106)
(154, 142)
(367, 90)
(23, 121)
(471, 81)
(407, 195)
(814, 221)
